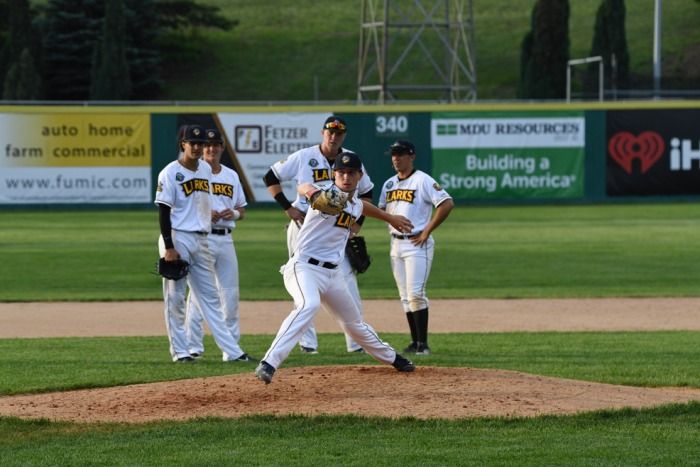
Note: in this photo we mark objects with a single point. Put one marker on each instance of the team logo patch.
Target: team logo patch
(179, 177)
(437, 186)
(159, 188)
(313, 163)
(389, 185)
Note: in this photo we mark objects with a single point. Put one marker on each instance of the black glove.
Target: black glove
(173, 270)
(356, 250)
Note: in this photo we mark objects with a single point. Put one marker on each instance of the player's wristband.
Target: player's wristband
(236, 214)
(283, 201)
(168, 241)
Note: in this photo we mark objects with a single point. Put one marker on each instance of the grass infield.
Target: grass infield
(554, 251)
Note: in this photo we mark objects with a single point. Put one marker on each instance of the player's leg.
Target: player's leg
(354, 290)
(303, 281)
(202, 280)
(309, 340)
(174, 299)
(194, 326)
(418, 263)
(338, 301)
(398, 268)
(227, 280)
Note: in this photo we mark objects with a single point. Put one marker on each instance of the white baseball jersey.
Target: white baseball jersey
(413, 198)
(227, 193)
(309, 165)
(188, 195)
(323, 236)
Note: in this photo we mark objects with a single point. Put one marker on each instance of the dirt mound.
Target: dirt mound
(364, 390)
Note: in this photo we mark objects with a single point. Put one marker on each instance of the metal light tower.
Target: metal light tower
(403, 42)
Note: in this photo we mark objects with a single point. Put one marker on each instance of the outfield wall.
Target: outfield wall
(495, 153)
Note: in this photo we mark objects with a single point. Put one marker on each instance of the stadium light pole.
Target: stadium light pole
(657, 48)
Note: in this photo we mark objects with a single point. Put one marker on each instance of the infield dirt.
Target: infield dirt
(366, 390)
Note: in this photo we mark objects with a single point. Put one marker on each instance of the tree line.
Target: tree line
(545, 49)
(95, 49)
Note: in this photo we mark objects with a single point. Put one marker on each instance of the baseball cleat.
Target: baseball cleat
(243, 358)
(422, 349)
(411, 348)
(187, 359)
(403, 364)
(308, 350)
(196, 355)
(360, 350)
(264, 372)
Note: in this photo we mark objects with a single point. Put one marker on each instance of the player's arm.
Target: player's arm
(400, 223)
(274, 187)
(166, 230)
(441, 212)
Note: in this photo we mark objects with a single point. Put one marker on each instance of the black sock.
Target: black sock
(410, 317)
(421, 317)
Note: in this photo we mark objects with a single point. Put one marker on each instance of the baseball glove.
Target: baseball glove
(356, 249)
(173, 270)
(329, 200)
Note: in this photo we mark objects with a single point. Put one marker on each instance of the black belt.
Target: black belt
(221, 231)
(405, 236)
(316, 262)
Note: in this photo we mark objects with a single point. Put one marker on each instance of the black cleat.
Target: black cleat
(187, 359)
(411, 348)
(264, 372)
(308, 350)
(422, 349)
(403, 364)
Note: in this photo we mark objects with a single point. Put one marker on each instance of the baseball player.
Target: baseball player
(313, 275)
(315, 165)
(413, 194)
(183, 197)
(228, 206)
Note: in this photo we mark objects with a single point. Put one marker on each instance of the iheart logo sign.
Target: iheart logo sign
(624, 148)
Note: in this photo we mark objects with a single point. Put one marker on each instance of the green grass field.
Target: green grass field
(482, 252)
(527, 251)
(277, 52)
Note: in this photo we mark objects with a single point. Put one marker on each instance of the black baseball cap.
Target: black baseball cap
(334, 123)
(347, 160)
(402, 147)
(192, 134)
(214, 136)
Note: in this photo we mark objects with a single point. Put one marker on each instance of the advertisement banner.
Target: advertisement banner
(259, 140)
(75, 158)
(653, 152)
(509, 155)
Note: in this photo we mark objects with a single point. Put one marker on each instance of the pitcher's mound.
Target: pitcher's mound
(429, 392)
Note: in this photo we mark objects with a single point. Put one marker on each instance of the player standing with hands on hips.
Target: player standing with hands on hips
(228, 206)
(315, 165)
(183, 197)
(313, 276)
(413, 193)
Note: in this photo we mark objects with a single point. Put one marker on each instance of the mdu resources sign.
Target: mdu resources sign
(507, 156)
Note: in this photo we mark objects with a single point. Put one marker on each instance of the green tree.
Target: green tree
(20, 37)
(610, 39)
(545, 52)
(22, 81)
(110, 77)
(71, 28)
